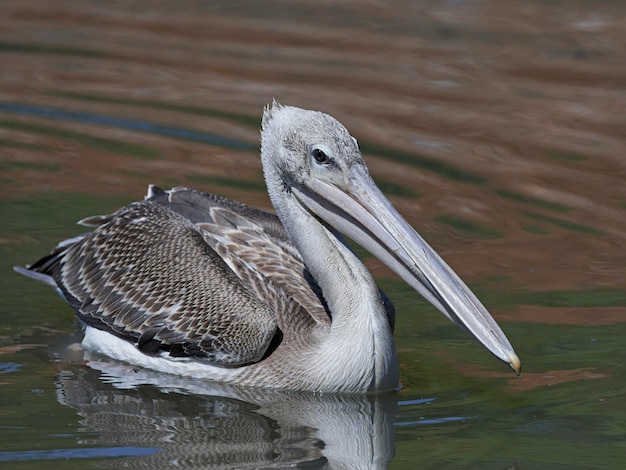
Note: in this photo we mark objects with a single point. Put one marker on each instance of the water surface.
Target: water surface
(497, 129)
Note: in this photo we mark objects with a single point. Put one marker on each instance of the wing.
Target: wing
(147, 274)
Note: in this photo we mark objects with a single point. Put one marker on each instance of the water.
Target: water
(498, 129)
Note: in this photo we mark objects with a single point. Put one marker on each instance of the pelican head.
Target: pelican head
(313, 166)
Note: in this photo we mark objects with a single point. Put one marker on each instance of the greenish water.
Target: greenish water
(485, 414)
(498, 141)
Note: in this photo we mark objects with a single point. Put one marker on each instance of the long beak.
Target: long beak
(365, 215)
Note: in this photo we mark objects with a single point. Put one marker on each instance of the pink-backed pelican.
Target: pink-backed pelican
(191, 283)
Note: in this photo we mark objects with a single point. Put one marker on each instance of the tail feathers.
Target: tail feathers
(46, 278)
(36, 275)
(47, 269)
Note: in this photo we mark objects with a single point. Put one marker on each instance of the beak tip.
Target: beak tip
(515, 363)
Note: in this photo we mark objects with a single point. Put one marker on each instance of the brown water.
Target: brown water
(498, 129)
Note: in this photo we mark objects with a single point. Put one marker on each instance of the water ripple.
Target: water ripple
(121, 123)
(81, 453)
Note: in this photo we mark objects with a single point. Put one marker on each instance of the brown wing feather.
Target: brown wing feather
(147, 274)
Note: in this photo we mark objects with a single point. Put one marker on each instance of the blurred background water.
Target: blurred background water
(498, 129)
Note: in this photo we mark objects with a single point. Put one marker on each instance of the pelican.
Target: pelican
(190, 283)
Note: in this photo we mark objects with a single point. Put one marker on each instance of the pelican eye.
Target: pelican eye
(320, 156)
